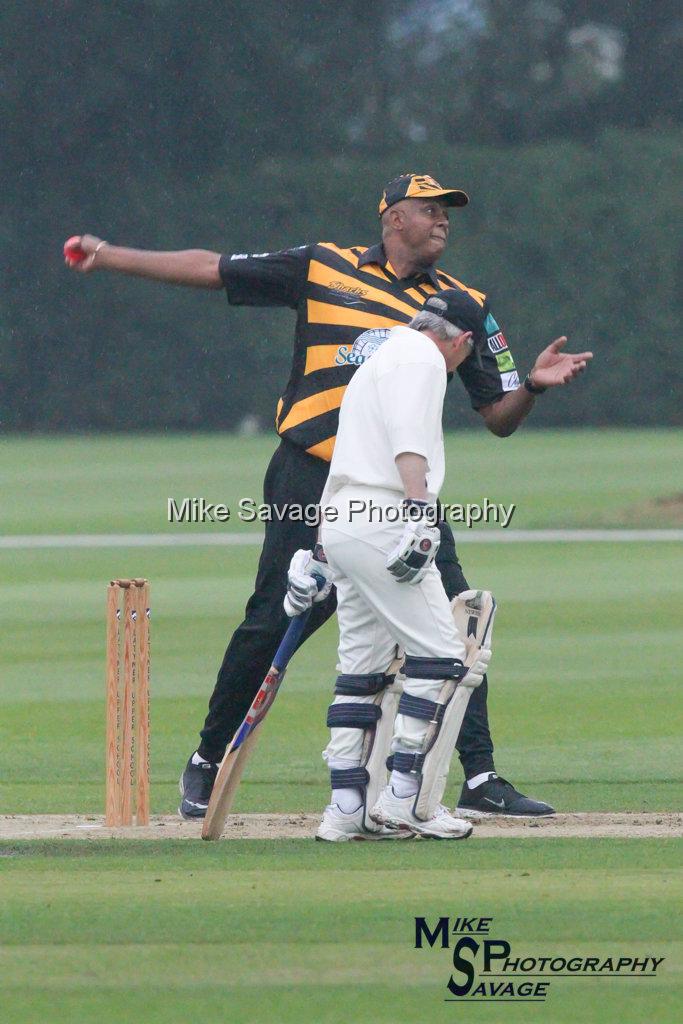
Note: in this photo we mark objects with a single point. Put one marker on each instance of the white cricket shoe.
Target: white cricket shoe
(397, 812)
(338, 827)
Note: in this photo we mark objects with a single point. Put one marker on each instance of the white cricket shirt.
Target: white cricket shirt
(393, 404)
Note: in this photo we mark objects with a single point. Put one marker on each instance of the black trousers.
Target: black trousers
(293, 477)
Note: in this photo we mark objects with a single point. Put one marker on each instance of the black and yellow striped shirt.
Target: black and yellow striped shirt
(346, 301)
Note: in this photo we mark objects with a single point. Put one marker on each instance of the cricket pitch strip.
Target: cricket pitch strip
(582, 825)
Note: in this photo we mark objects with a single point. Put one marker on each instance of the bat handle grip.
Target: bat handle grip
(320, 580)
(290, 640)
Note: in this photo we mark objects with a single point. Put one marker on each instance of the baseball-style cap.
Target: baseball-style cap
(460, 309)
(420, 186)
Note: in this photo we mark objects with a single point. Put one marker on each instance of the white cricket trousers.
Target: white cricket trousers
(376, 613)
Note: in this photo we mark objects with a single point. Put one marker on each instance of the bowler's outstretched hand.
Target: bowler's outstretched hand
(80, 252)
(554, 367)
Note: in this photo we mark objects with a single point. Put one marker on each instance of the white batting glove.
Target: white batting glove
(303, 588)
(410, 560)
(475, 675)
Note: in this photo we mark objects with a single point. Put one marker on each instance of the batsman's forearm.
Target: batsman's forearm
(505, 416)
(412, 469)
(197, 268)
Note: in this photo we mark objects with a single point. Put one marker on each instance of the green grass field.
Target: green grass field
(585, 712)
(260, 932)
(557, 479)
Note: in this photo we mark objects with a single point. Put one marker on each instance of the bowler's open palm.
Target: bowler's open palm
(553, 367)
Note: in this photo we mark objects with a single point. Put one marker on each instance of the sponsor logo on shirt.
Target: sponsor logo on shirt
(496, 339)
(497, 342)
(261, 255)
(509, 381)
(504, 361)
(365, 345)
(348, 294)
(347, 289)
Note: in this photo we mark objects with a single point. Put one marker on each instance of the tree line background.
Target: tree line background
(241, 126)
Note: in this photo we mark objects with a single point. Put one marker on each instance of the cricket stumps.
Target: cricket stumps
(127, 712)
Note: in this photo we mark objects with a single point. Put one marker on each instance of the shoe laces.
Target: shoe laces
(501, 785)
(441, 811)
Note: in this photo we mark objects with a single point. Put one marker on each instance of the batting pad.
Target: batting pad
(378, 744)
(473, 614)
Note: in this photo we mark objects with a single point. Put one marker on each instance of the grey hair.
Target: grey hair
(426, 321)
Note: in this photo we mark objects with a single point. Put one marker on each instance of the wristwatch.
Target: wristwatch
(532, 388)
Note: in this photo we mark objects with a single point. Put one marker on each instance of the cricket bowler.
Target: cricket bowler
(346, 299)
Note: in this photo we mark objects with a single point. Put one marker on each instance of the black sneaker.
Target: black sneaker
(498, 796)
(196, 784)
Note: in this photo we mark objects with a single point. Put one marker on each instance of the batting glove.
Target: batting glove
(309, 580)
(410, 560)
(475, 674)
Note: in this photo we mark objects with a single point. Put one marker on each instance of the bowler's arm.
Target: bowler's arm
(503, 417)
(196, 268)
(552, 369)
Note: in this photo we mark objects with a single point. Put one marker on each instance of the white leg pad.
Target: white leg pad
(473, 613)
(365, 748)
(377, 745)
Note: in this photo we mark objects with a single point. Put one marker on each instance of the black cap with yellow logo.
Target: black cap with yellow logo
(420, 186)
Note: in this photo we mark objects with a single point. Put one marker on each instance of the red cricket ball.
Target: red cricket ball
(72, 250)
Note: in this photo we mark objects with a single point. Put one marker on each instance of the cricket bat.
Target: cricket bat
(244, 740)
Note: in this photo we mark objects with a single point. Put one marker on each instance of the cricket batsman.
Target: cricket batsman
(380, 538)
